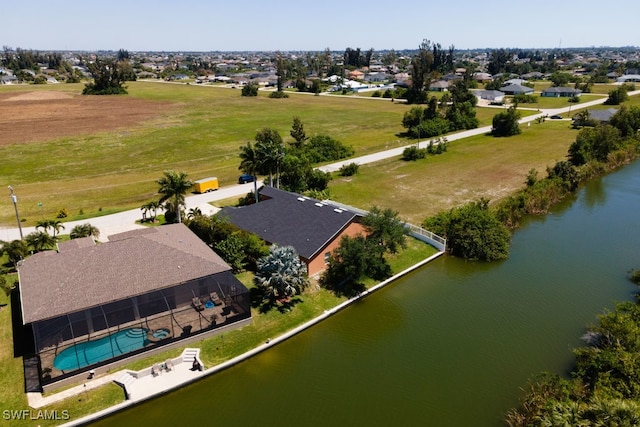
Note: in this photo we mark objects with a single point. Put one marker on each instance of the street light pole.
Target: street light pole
(14, 199)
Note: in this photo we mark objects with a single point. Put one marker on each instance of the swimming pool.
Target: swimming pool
(94, 351)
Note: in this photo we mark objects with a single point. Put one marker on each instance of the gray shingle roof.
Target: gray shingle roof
(132, 263)
(289, 219)
(513, 88)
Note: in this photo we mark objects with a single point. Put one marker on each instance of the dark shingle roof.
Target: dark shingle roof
(556, 89)
(289, 219)
(132, 263)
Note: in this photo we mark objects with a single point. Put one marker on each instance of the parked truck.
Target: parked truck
(206, 184)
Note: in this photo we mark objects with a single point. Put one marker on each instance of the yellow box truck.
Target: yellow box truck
(206, 184)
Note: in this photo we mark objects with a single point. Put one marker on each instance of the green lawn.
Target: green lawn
(200, 135)
(482, 166)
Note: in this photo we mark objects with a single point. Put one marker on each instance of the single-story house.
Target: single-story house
(88, 304)
(490, 95)
(628, 78)
(514, 89)
(556, 92)
(312, 227)
(356, 75)
(439, 86)
(482, 77)
(534, 75)
(520, 82)
(599, 116)
(8, 80)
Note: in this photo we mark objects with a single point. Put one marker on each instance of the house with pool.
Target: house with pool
(94, 305)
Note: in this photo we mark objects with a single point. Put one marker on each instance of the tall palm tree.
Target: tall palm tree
(270, 152)
(249, 164)
(173, 187)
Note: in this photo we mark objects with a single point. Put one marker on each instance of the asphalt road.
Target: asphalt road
(125, 221)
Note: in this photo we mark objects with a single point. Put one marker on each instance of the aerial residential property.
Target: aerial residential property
(90, 305)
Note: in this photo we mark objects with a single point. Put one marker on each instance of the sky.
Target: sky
(285, 25)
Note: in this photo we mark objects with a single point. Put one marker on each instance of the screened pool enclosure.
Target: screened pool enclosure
(91, 304)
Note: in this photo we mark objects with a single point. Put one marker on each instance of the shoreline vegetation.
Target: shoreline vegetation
(538, 196)
(604, 385)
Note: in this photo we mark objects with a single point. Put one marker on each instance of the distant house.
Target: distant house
(594, 117)
(534, 75)
(377, 77)
(8, 80)
(90, 304)
(490, 95)
(520, 82)
(628, 78)
(356, 75)
(482, 77)
(439, 86)
(514, 89)
(312, 227)
(560, 92)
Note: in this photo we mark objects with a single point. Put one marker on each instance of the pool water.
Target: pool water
(94, 351)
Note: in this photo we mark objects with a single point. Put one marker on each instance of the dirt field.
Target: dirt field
(40, 116)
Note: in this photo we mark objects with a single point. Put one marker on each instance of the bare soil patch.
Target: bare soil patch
(44, 115)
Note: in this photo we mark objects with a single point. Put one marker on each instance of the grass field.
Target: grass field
(482, 166)
(199, 133)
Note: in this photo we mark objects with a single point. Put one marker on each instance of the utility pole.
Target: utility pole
(14, 199)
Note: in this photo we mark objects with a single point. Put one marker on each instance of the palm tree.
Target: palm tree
(54, 224)
(153, 206)
(194, 212)
(15, 250)
(173, 186)
(249, 164)
(84, 230)
(281, 273)
(39, 241)
(270, 152)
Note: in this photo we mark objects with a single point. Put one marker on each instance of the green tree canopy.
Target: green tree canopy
(39, 241)
(269, 153)
(84, 230)
(108, 78)
(472, 232)
(505, 123)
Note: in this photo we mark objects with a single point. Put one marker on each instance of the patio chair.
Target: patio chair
(197, 304)
(215, 298)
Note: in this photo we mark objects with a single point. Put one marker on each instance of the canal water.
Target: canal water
(452, 344)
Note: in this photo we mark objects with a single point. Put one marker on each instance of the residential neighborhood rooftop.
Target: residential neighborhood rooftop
(53, 283)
